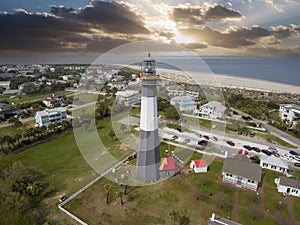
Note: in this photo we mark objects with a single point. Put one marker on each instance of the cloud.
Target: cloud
(281, 32)
(233, 38)
(67, 29)
(107, 16)
(196, 15)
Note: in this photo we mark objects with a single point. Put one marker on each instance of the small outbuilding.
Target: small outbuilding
(167, 167)
(199, 165)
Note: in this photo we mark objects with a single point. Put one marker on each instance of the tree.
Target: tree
(2, 141)
(18, 138)
(171, 113)
(174, 215)
(107, 188)
(112, 134)
(184, 220)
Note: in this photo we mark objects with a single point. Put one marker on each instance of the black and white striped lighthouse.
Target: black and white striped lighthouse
(148, 160)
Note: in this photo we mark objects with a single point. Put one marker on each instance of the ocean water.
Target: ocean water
(280, 70)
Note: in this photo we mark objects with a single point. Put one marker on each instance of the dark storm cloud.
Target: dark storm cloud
(232, 39)
(108, 16)
(219, 12)
(195, 15)
(69, 30)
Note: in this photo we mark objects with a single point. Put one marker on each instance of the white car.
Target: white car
(287, 156)
(296, 157)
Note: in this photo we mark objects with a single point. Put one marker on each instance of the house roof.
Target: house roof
(217, 106)
(289, 182)
(200, 163)
(272, 160)
(167, 164)
(242, 166)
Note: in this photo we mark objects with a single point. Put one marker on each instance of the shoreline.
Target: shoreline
(225, 81)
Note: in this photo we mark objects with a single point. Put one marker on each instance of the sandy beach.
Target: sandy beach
(218, 80)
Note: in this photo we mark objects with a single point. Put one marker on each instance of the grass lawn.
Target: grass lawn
(149, 204)
(296, 208)
(249, 199)
(253, 217)
(28, 98)
(274, 202)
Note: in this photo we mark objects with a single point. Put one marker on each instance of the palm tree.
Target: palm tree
(2, 140)
(107, 188)
(174, 216)
(18, 138)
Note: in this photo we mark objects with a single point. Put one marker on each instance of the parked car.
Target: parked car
(276, 154)
(240, 132)
(214, 138)
(296, 157)
(255, 149)
(198, 135)
(187, 140)
(287, 156)
(252, 134)
(179, 129)
(206, 137)
(247, 147)
(272, 148)
(293, 152)
(174, 137)
(203, 142)
(297, 164)
(62, 199)
(231, 143)
(267, 152)
(245, 133)
(214, 126)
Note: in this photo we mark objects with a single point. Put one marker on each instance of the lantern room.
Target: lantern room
(148, 68)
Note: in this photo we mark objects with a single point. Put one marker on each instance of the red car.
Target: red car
(206, 137)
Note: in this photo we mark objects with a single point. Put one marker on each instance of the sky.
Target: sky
(79, 30)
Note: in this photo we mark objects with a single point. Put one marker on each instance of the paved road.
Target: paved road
(275, 131)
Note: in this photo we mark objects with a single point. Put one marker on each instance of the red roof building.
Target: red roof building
(199, 165)
(167, 167)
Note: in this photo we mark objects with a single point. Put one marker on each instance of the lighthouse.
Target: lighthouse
(148, 160)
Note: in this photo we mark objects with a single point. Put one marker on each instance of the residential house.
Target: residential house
(11, 92)
(4, 85)
(47, 116)
(288, 186)
(194, 91)
(290, 112)
(211, 110)
(185, 103)
(241, 172)
(274, 163)
(176, 90)
(55, 100)
(118, 85)
(128, 97)
(199, 165)
(167, 167)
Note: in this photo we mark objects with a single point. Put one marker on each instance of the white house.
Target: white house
(240, 172)
(212, 110)
(288, 186)
(44, 118)
(274, 163)
(185, 103)
(55, 100)
(119, 85)
(128, 97)
(199, 165)
(290, 112)
(4, 84)
(176, 90)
